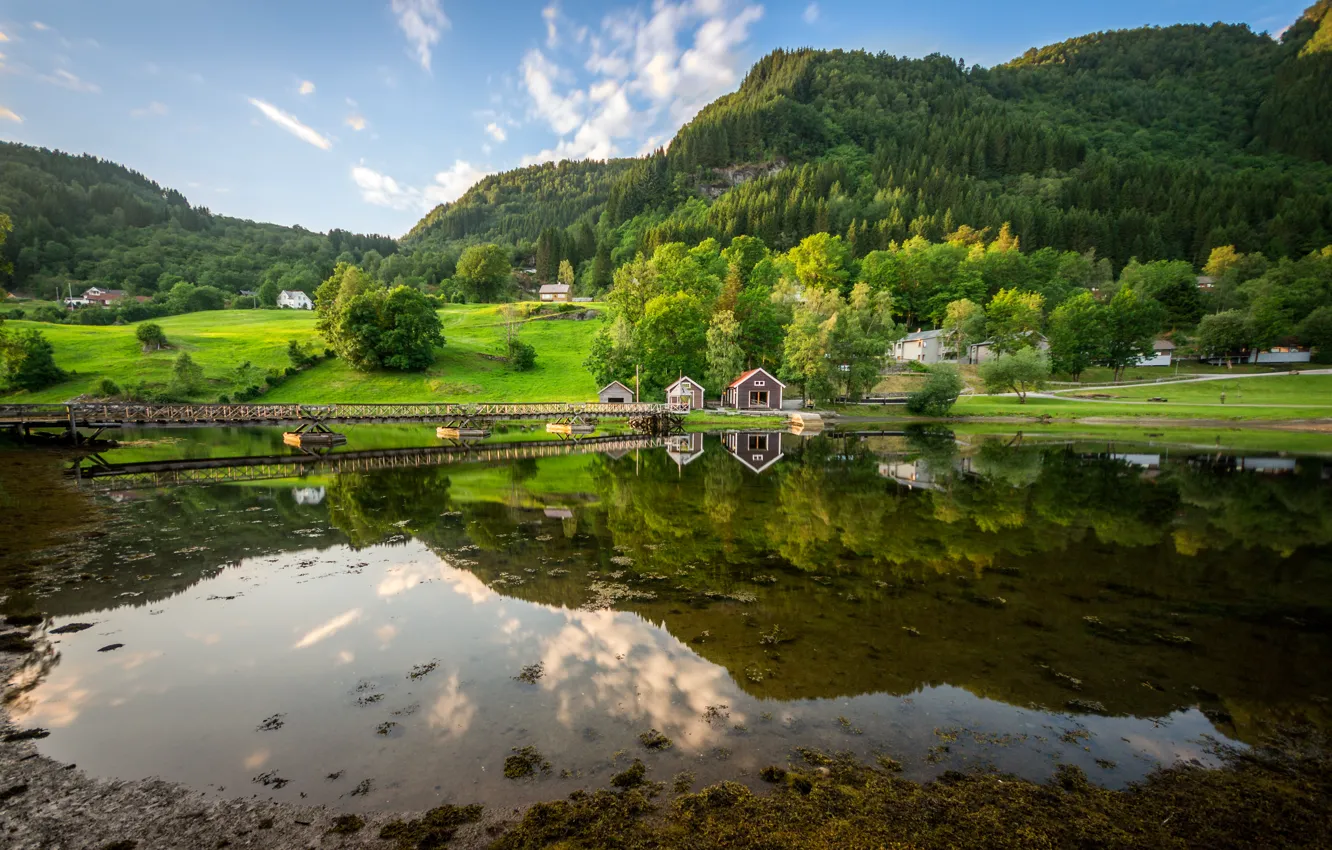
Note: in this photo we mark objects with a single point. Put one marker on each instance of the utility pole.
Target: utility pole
(637, 368)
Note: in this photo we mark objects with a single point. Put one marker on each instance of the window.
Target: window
(615, 400)
(760, 383)
(758, 399)
(758, 442)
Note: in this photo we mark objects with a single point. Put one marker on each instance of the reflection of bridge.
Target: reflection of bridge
(650, 418)
(165, 473)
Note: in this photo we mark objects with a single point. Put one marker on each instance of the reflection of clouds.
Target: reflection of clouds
(636, 669)
(386, 634)
(61, 701)
(345, 657)
(467, 584)
(206, 640)
(403, 578)
(453, 710)
(329, 628)
(135, 660)
(256, 759)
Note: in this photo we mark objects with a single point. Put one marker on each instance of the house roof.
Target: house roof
(555, 289)
(923, 335)
(746, 376)
(681, 380)
(1163, 345)
(293, 292)
(105, 293)
(615, 384)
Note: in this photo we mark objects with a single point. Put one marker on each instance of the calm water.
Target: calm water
(358, 635)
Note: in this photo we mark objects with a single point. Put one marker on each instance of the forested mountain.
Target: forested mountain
(1150, 143)
(80, 220)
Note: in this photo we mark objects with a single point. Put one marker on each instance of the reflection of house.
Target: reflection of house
(756, 389)
(308, 495)
(1281, 354)
(684, 449)
(1162, 352)
(921, 346)
(685, 394)
(911, 474)
(558, 513)
(294, 299)
(1146, 461)
(615, 393)
(556, 292)
(1269, 465)
(757, 450)
(980, 352)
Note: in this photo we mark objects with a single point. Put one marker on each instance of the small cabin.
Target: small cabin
(685, 394)
(757, 450)
(615, 393)
(684, 449)
(556, 292)
(1163, 353)
(756, 389)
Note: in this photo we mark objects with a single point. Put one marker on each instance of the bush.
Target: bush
(522, 357)
(95, 316)
(29, 362)
(151, 336)
(50, 314)
(187, 377)
(916, 366)
(224, 399)
(299, 357)
(1019, 373)
(939, 393)
(108, 388)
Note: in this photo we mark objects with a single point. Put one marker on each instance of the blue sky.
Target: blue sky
(363, 115)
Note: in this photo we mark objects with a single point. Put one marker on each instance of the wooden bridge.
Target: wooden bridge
(94, 473)
(654, 418)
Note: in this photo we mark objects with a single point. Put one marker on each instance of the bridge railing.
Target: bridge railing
(146, 413)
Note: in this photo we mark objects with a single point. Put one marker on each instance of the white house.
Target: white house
(295, 300)
(1163, 350)
(920, 346)
(1281, 354)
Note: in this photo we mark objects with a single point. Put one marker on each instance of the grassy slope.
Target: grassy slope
(1278, 389)
(220, 341)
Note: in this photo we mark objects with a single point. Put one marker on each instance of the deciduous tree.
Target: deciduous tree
(1020, 372)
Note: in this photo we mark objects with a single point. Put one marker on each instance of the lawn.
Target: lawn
(1276, 389)
(1062, 408)
(222, 341)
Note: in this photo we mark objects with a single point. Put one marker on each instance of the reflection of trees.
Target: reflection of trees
(1220, 508)
(369, 507)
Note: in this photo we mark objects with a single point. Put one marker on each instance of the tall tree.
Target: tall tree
(1013, 320)
(726, 359)
(483, 272)
(1131, 324)
(1076, 332)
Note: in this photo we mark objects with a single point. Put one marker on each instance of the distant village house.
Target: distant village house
(294, 300)
(980, 352)
(556, 292)
(94, 295)
(756, 389)
(1163, 351)
(921, 347)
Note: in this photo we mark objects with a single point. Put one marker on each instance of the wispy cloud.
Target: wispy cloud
(328, 629)
(153, 109)
(356, 122)
(291, 124)
(66, 80)
(551, 13)
(421, 21)
(811, 13)
(7, 114)
(307, 87)
(3, 37)
(382, 190)
(496, 132)
(39, 26)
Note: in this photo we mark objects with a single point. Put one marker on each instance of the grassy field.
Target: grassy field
(1317, 405)
(1277, 389)
(223, 341)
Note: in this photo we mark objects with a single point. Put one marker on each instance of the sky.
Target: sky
(365, 114)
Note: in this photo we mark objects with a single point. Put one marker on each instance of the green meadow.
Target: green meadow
(236, 348)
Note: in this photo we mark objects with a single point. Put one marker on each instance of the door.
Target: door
(758, 398)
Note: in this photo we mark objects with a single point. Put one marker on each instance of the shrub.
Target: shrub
(224, 399)
(522, 357)
(187, 377)
(151, 336)
(939, 393)
(50, 314)
(299, 357)
(28, 361)
(1019, 373)
(108, 388)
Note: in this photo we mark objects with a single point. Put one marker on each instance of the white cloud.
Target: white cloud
(811, 13)
(3, 37)
(155, 109)
(421, 21)
(496, 132)
(7, 114)
(66, 80)
(550, 14)
(328, 628)
(562, 112)
(651, 73)
(39, 26)
(356, 122)
(291, 124)
(382, 190)
(307, 87)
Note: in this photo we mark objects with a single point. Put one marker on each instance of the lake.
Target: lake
(387, 625)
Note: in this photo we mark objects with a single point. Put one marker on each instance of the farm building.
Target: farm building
(556, 292)
(756, 389)
(685, 394)
(615, 393)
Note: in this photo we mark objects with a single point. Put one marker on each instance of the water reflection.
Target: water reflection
(946, 604)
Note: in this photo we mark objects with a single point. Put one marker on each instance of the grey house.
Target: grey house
(756, 389)
(685, 394)
(757, 450)
(615, 393)
(921, 347)
(980, 352)
(684, 449)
